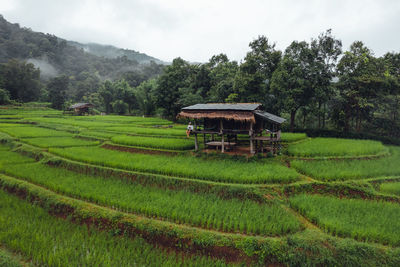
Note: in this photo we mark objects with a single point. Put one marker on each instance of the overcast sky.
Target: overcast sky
(197, 30)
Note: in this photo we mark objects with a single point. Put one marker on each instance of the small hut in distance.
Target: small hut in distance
(81, 108)
(233, 119)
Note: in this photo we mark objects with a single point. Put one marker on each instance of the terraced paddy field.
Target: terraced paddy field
(68, 199)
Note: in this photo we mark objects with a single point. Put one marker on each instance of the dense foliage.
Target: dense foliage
(314, 84)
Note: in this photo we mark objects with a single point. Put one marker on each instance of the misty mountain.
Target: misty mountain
(109, 51)
(56, 56)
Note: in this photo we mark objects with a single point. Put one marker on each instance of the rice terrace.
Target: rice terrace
(126, 187)
(236, 136)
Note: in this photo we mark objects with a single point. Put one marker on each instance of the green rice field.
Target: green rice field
(31, 131)
(49, 241)
(375, 221)
(327, 147)
(131, 191)
(183, 166)
(47, 142)
(327, 170)
(390, 188)
(154, 142)
(203, 210)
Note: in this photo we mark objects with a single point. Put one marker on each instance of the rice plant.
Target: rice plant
(292, 137)
(47, 142)
(8, 158)
(224, 170)
(96, 134)
(390, 188)
(31, 131)
(154, 142)
(351, 169)
(8, 260)
(148, 131)
(374, 221)
(335, 147)
(50, 241)
(203, 210)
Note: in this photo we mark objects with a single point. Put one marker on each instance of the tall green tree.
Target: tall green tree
(252, 81)
(106, 92)
(222, 78)
(57, 88)
(326, 50)
(21, 79)
(144, 94)
(167, 92)
(291, 82)
(361, 79)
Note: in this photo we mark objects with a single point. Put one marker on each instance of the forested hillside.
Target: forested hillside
(57, 57)
(315, 84)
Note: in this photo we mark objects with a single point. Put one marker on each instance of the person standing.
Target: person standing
(189, 129)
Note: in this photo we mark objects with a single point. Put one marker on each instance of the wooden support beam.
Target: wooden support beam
(251, 134)
(221, 131)
(222, 144)
(196, 145)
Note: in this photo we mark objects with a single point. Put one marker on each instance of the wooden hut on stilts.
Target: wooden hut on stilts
(227, 121)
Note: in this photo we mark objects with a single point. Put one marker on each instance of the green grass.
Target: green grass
(8, 260)
(70, 121)
(327, 170)
(293, 137)
(320, 147)
(50, 241)
(99, 121)
(31, 131)
(10, 158)
(183, 166)
(124, 119)
(97, 134)
(148, 131)
(12, 125)
(203, 210)
(47, 142)
(365, 220)
(154, 142)
(390, 188)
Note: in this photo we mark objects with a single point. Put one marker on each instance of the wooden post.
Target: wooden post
(222, 144)
(221, 130)
(251, 138)
(204, 140)
(196, 145)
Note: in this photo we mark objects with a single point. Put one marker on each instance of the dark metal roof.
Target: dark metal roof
(81, 105)
(240, 107)
(270, 117)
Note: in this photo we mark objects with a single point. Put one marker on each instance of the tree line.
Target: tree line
(314, 84)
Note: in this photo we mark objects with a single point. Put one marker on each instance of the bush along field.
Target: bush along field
(130, 191)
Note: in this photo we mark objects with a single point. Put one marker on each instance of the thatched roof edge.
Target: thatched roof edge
(227, 115)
